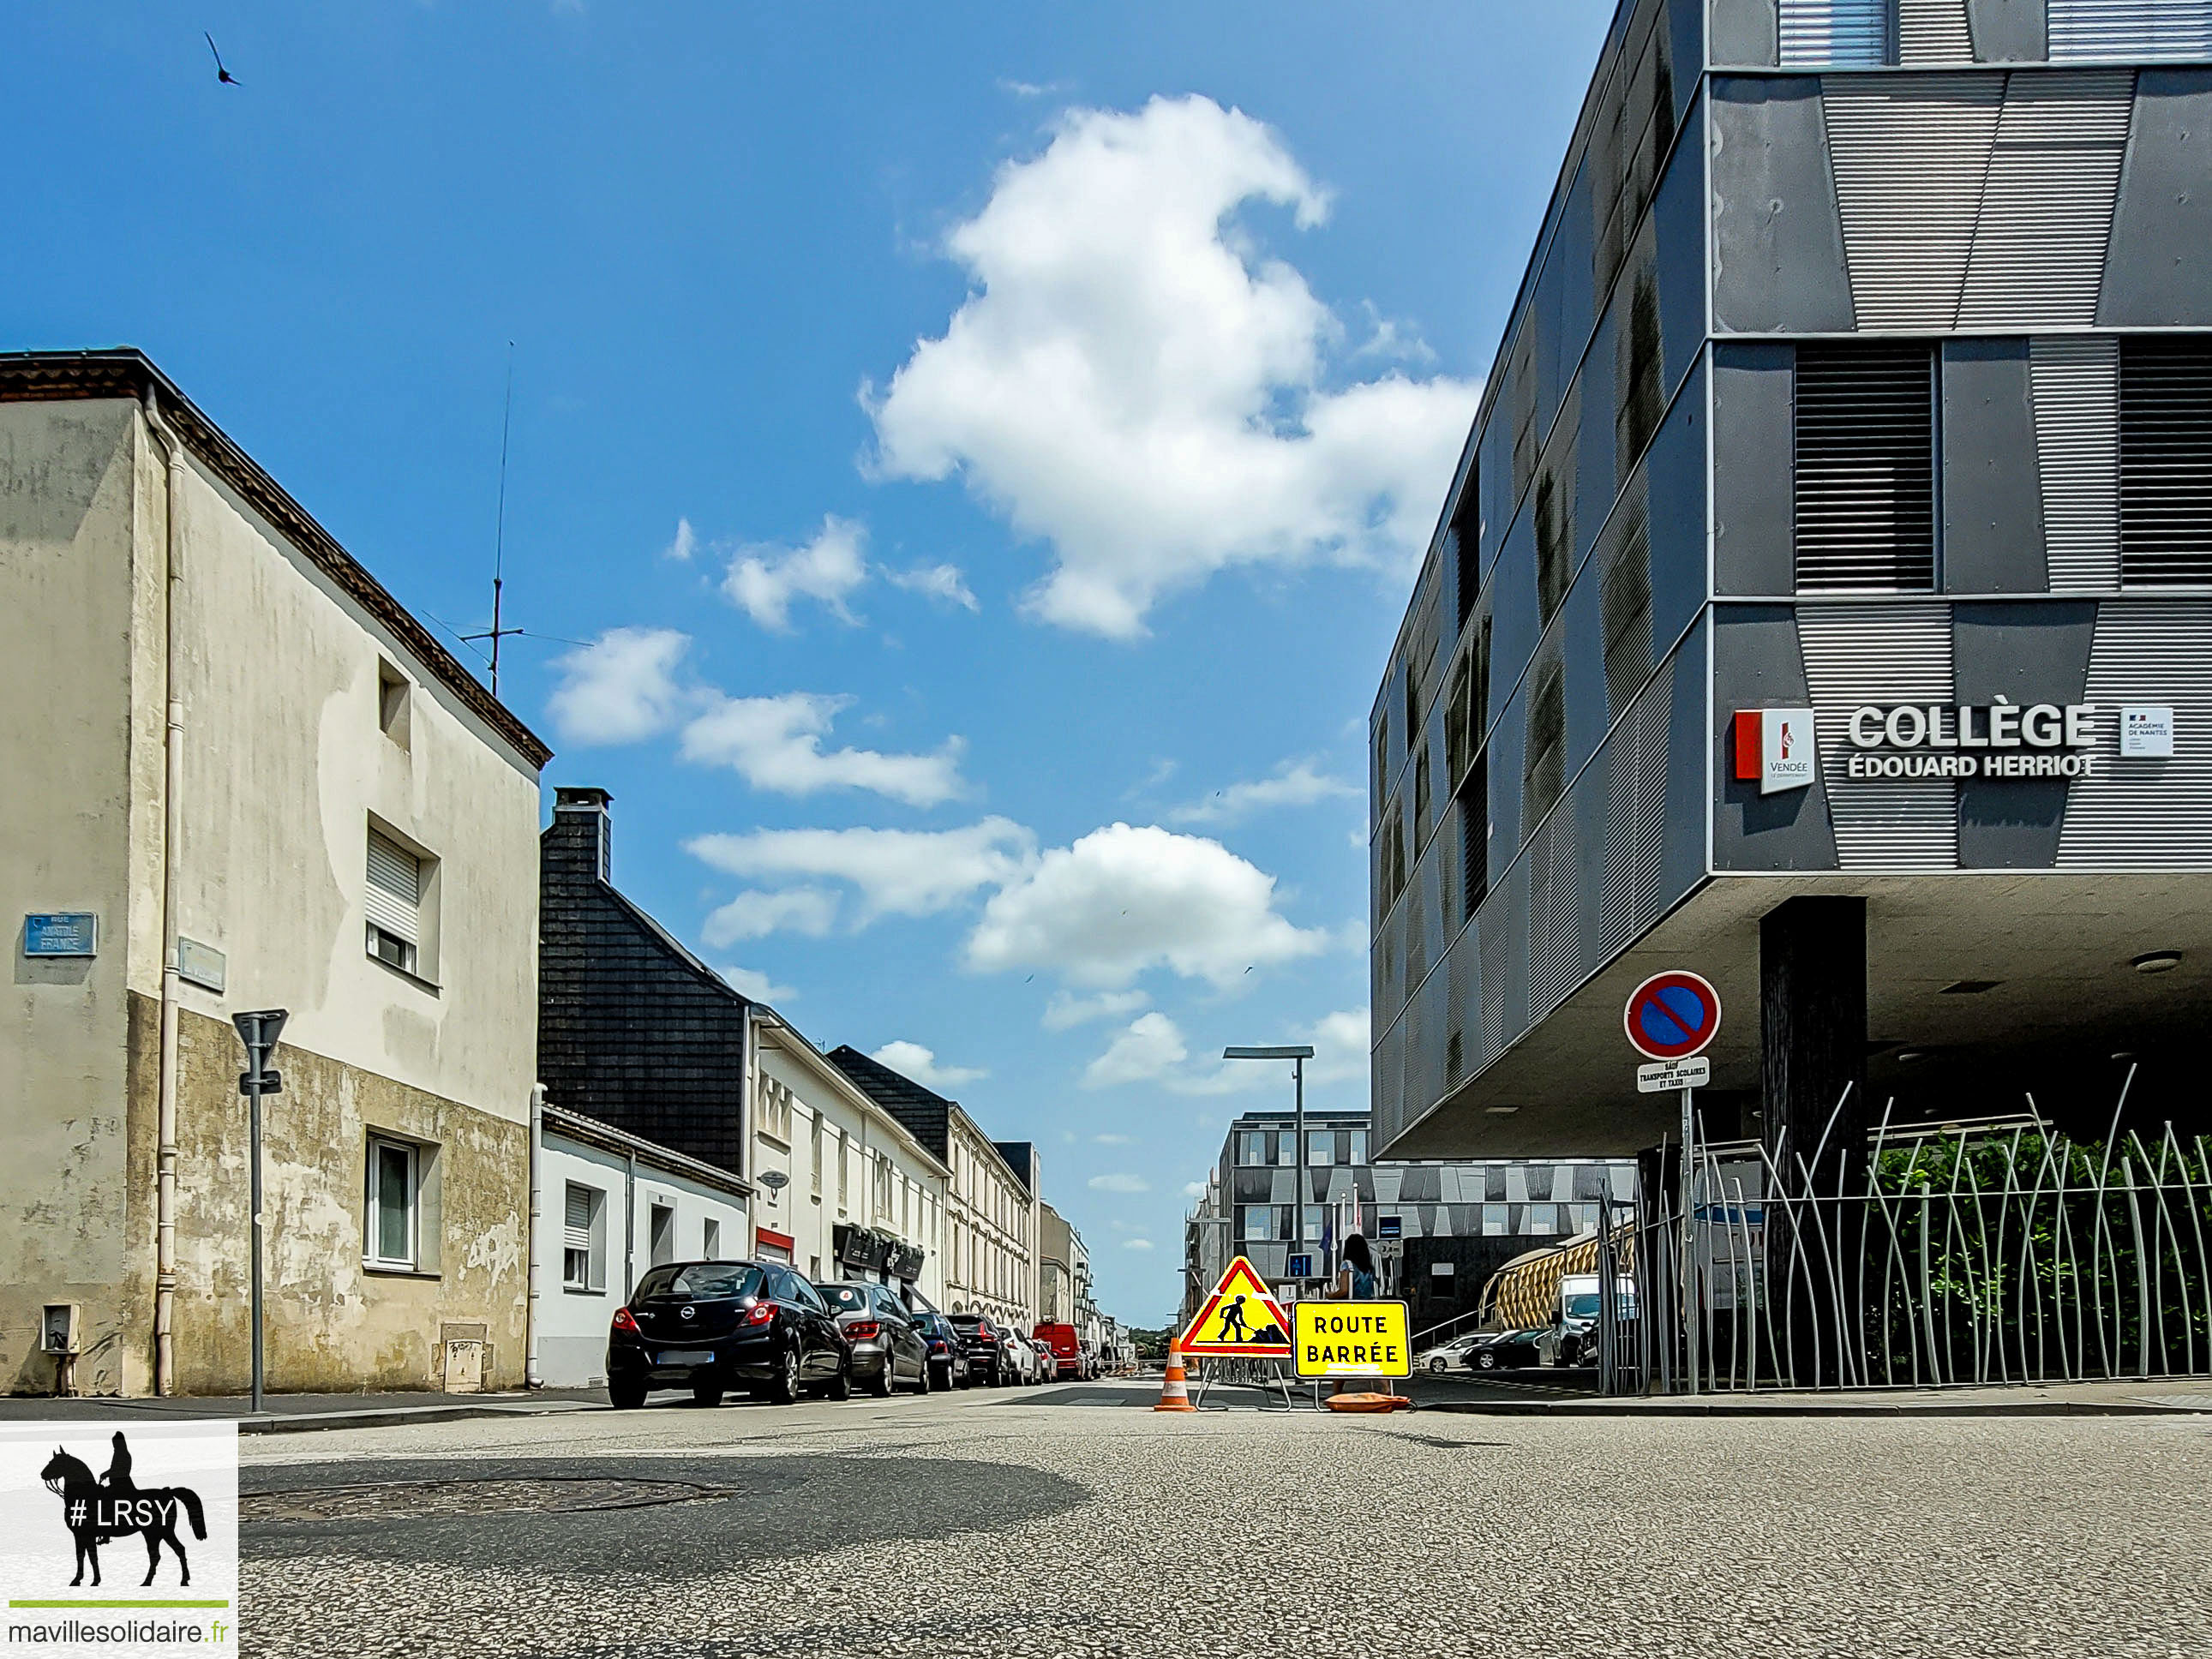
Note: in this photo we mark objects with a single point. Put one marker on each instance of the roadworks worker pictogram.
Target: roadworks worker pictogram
(1240, 1319)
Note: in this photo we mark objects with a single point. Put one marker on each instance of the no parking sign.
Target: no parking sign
(1671, 1015)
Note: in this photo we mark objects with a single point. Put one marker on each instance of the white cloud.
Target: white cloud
(1111, 1140)
(1152, 1047)
(1065, 1010)
(1339, 1042)
(775, 743)
(765, 581)
(685, 544)
(757, 915)
(938, 581)
(1340, 1046)
(1136, 1243)
(745, 981)
(1293, 784)
(1133, 381)
(912, 1059)
(1123, 900)
(1118, 1183)
(910, 873)
(1193, 1189)
(622, 688)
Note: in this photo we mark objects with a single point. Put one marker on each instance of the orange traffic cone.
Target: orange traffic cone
(1174, 1396)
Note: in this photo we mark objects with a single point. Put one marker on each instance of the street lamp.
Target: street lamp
(1298, 1054)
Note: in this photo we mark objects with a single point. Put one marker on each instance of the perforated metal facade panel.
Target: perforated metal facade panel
(1881, 653)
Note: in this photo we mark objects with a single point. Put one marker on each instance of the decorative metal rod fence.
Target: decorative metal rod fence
(1992, 1252)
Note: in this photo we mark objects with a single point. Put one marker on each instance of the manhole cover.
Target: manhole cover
(400, 1498)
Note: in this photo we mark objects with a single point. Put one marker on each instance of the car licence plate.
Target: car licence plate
(687, 1356)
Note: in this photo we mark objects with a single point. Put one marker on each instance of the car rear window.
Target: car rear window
(845, 1298)
(969, 1322)
(701, 1279)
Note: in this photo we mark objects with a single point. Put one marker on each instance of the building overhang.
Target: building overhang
(2060, 947)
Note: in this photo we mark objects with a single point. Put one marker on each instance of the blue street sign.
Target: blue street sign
(62, 933)
(1390, 1227)
(1301, 1266)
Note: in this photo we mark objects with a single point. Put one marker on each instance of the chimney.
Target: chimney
(580, 827)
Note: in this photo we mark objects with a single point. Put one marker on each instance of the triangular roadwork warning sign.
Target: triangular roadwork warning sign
(1239, 1319)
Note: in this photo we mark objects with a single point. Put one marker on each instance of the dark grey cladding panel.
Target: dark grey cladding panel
(2026, 653)
(1779, 239)
(2158, 266)
(1747, 32)
(1757, 663)
(2008, 31)
(1992, 490)
(1684, 862)
(1753, 402)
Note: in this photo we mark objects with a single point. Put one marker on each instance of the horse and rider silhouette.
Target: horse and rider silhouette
(98, 1509)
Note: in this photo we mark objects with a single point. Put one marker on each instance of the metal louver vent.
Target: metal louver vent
(2046, 212)
(2165, 462)
(1552, 904)
(1865, 468)
(1910, 154)
(1933, 32)
(1636, 821)
(2130, 29)
(2136, 814)
(1881, 653)
(1819, 31)
(2074, 382)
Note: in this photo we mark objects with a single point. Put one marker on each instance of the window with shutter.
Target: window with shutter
(1866, 468)
(1838, 33)
(576, 1263)
(2165, 462)
(394, 903)
(2130, 29)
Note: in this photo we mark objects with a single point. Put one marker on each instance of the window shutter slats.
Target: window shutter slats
(1834, 33)
(2132, 29)
(2165, 462)
(577, 1231)
(394, 893)
(1865, 469)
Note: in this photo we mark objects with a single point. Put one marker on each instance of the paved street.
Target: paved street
(1071, 1522)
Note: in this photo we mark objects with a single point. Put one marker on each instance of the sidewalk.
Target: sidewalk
(2157, 1397)
(295, 1413)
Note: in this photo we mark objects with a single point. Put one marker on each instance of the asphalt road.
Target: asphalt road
(1071, 1522)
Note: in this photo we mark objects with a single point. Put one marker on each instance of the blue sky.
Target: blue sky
(967, 463)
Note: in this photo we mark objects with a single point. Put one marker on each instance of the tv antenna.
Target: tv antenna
(499, 532)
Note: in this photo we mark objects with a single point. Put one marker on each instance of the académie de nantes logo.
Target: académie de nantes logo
(76, 1497)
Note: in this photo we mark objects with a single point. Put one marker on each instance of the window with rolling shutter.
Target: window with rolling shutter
(1838, 33)
(393, 902)
(579, 1264)
(2165, 462)
(1866, 468)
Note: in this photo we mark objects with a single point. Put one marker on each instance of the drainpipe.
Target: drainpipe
(172, 759)
(530, 1379)
(629, 1224)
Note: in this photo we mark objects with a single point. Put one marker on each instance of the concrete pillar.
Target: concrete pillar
(1813, 1029)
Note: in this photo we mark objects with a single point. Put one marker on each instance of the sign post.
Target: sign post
(258, 1031)
(1671, 1018)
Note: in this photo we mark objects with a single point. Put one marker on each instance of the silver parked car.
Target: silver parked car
(887, 1348)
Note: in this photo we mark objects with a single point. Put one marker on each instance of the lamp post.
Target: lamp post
(1298, 1054)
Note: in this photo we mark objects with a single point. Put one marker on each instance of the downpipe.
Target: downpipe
(531, 1376)
(172, 772)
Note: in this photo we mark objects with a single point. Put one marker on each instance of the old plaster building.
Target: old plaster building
(242, 776)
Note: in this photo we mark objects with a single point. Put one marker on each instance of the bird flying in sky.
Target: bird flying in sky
(222, 75)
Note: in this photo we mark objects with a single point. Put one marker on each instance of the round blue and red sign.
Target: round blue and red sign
(1671, 1015)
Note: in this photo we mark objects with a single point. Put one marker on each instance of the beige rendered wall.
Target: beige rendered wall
(72, 1198)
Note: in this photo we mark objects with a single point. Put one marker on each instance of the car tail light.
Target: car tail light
(760, 1313)
(937, 1346)
(861, 1329)
(625, 1321)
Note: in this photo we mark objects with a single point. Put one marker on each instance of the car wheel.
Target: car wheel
(886, 1383)
(783, 1387)
(1436, 1365)
(840, 1387)
(626, 1396)
(940, 1377)
(927, 1378)
(706, 1394)
(1486, 1362)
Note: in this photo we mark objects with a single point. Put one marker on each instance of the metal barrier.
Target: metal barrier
(1989, 1252)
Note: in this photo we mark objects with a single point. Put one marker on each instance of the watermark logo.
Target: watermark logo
(78, 1501)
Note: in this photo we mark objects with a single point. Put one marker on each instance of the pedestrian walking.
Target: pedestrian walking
(1354, 1282)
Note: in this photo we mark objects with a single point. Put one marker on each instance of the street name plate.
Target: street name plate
(1671, 1074)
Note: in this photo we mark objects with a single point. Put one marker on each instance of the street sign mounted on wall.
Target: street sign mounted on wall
(1240, 1319)
(1671, 1015)
(1353, 1339)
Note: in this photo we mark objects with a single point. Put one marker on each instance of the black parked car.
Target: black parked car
(887, 1350)
(1497, 1351)
(948, 1350)
(988, 1362)
(713, 1326)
